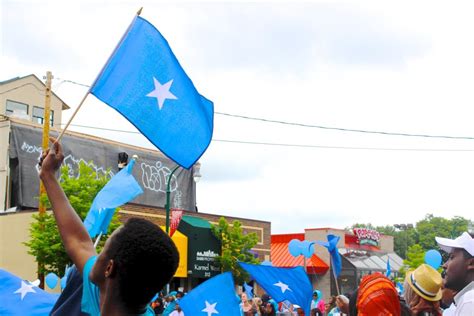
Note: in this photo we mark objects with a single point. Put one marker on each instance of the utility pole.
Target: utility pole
(45, 146)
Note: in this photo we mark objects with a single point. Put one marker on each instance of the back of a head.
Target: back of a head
(146, 259)
(377, 296)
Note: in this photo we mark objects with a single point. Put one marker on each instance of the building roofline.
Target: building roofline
(64, 107)
(82, 135)
(203, 213)
(325, 228)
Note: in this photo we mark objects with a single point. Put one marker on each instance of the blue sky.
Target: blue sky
(395, 66)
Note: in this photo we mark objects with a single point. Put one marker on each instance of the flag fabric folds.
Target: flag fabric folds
(145, 83)
(20, 297)
(176, 216)
(389, 268)
(248, 290)
(122, 188)
(281, 284)
(331, 245)
(216, 296)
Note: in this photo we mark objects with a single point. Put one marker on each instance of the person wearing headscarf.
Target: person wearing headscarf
(377, 296)
(423, 291)
(317, 302)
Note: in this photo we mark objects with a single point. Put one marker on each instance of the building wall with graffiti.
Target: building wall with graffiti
(151, 170)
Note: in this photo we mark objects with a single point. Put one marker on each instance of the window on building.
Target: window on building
(38, 115)
(17, 107)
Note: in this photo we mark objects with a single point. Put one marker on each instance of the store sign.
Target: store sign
(367, 236)
(205, 264)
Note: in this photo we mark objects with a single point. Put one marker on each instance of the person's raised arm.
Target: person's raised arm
(76, 240)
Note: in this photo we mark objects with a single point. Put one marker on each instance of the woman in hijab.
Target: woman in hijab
(317, 302)
(423, 291)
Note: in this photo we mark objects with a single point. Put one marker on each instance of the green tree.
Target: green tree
(432, 226)
(415, 257)
(236, 246)
(45, 243)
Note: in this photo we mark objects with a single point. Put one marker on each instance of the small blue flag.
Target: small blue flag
(216, 296)
(145, 83)
(400, 288)
(331, 245)
(389, 269)
(248, 290)
(122, 188)
(20, 297)
(281, 284)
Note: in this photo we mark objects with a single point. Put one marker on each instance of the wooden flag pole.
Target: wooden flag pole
(97, 240)
(100, 73)
(45, 146)
(335, 277)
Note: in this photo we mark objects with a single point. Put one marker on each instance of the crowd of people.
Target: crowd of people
(139, 259)
(426, 292)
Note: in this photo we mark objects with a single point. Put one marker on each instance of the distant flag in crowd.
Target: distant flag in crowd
(281, 284)
(400, 288)
(214, 297)
(389, 269)
(145, 83)
(331, 245)
(248, 290)
(176, 216)
(122, 188)
(20, 297)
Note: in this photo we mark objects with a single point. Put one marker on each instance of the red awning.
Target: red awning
(281, 257)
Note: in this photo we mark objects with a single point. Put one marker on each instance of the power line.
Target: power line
(340, 129)
(343, 129)
(296, 145)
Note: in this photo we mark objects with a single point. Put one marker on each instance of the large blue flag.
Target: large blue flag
(144, 82)
(331, 245)
(216, 296)
(20, 297)
(281, 284)
(122, 188)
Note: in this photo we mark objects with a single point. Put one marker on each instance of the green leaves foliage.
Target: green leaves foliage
(236, 246)
(45, 243)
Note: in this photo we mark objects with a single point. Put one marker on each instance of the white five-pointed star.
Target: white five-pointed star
(283, 287)
(210, 309)
(162, 92)
(24, 289)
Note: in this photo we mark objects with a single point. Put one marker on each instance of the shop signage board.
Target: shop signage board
(203, 247)
(367, 236)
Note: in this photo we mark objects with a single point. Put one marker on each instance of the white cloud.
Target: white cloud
(398, 66)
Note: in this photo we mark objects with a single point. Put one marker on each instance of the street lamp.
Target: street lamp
(196, 177)
(197, 172)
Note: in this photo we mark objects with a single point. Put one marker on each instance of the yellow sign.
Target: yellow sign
(181, 242)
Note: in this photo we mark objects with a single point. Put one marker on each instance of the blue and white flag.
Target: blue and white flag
(389, 269)
(216, 296)
(145, 83)
(281, 284)
(248, 290)
(20, 297)
(122, 188)
(331, 246)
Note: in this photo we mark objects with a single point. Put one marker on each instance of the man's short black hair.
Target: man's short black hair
(146, 259)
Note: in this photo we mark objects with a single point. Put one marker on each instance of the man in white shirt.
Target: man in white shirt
(460, 271)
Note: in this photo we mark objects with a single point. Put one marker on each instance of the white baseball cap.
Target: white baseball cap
(464, 241)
